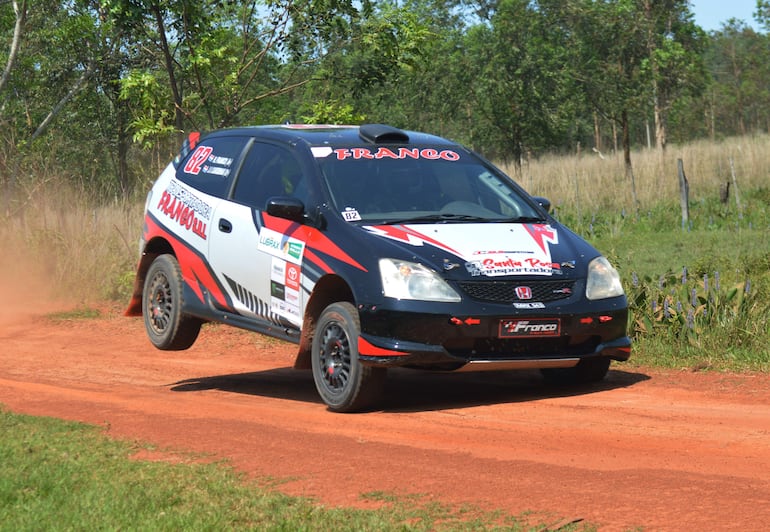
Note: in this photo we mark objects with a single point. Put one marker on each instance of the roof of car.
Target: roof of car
(324, 135)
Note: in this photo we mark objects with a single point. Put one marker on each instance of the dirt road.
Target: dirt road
(659, 450)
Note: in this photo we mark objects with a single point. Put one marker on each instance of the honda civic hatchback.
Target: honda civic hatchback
(369, 248)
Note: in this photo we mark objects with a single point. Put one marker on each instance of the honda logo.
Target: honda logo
(523, 292)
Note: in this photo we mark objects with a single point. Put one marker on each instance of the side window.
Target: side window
(209, 166)
(268, 171)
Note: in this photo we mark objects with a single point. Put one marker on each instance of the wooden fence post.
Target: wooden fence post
(735, 189)
(684, 194)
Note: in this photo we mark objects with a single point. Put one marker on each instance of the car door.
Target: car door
(259, 267)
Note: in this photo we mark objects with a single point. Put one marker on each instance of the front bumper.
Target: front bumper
(478, 342)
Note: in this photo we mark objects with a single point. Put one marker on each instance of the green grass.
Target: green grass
(57, 475)
(698, 292)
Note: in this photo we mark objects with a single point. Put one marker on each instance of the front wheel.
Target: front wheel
(344, 384)
(167, 327)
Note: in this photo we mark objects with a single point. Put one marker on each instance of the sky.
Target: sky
(711, 14)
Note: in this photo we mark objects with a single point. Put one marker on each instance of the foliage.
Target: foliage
(100, 87)
(696, 314)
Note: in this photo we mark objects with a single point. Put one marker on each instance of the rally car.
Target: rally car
(372, 247)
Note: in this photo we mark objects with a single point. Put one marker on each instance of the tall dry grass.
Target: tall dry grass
(591, 182)
(86, 248)
(67, 244)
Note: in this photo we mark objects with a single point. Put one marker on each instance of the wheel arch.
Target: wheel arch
(153, 248)
(329, 289)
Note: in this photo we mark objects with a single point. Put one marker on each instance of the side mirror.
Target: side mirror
(286, 207)
(545, 203)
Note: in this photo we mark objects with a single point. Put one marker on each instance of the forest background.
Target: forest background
(589, 102)
(101, 92)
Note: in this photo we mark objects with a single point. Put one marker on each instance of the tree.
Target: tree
(674, 58)
(738, 60)
(522, 84)
(609, 52)
(221, 59)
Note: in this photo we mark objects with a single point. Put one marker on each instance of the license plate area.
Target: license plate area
(529, 327)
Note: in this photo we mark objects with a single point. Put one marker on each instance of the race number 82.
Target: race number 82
(197, 159)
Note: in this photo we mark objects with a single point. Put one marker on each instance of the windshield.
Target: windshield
(420, 185)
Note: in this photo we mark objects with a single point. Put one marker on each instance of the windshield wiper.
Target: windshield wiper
(525, 220)
(441, 218)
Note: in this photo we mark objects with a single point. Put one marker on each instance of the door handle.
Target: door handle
(225, 226)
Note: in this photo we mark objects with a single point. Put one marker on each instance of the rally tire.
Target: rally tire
(167, 326)
(586, 371)
(343, 383)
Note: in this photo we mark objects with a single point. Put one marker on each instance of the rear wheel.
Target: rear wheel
(167, 327)
(587, 370)
(344, 384)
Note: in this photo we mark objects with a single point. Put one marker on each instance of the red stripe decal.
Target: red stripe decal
(312, 238)
(367, 349)
(409, 236)
(194, 270)
(315, 259)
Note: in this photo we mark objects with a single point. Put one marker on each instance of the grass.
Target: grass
(697, 290)
(57, 475)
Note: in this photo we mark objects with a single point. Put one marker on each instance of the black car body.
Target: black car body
(372, 247)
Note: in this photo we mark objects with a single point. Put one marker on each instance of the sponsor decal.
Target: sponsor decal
(529, 305)
(527, 252)
(536, 261)
(281, 246)
(509, 265)
(277, 290)
(396, 153)
(284, 289)
(292, 276)
(185, 208)
(524, 328)
(204, 160)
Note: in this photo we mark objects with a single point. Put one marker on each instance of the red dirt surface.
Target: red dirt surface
(657, 450)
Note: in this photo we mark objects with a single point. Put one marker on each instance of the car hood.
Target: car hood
(491, 249)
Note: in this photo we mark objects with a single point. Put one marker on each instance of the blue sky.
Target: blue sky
(711, 14)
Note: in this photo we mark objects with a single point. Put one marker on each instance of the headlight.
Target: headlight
(603, 280)
(409, 280)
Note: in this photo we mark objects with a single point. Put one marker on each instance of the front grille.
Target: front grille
(505, 291)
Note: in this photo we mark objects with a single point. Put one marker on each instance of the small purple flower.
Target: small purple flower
(666, 312)
(684, 275)
(716, 281)
(634, 279)
(679, 307)
(705, 282)
(747, 287)
(694, 297)
(654, 306)
(691, 319)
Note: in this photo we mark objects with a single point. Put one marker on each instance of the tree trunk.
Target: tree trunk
(169, 62)
(660, 126)
(597, 133)
(627, 156)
